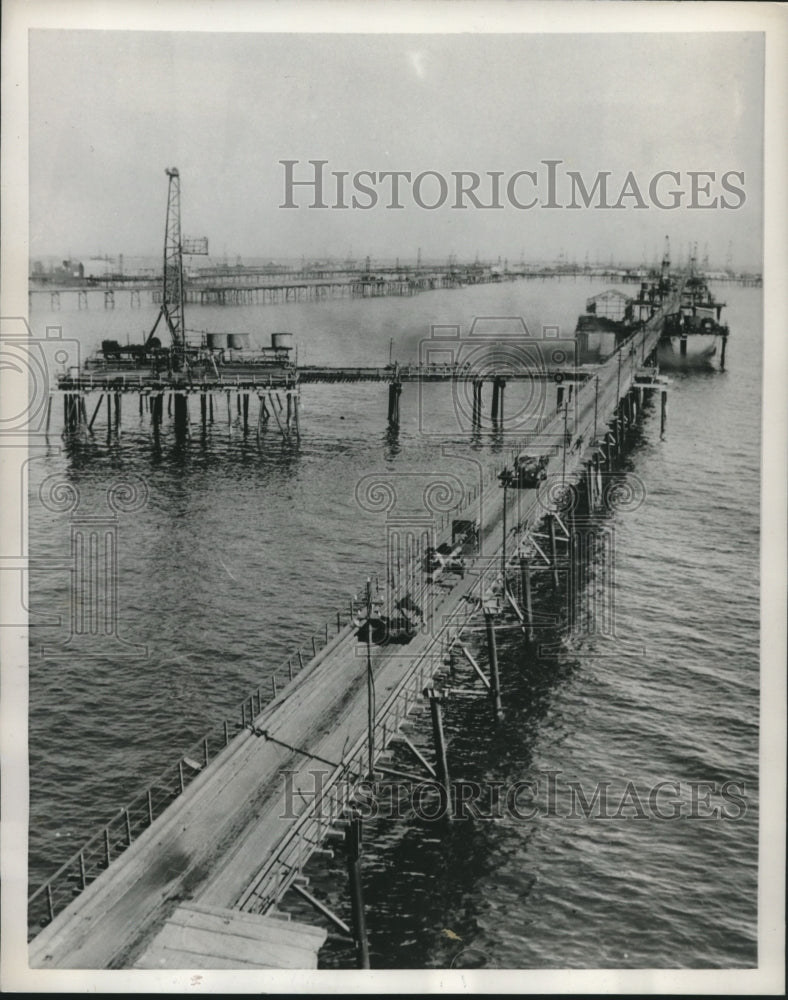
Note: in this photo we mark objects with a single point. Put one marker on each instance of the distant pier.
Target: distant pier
(247, 287)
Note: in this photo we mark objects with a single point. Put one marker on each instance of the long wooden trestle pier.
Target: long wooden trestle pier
(246, 289)
(244, 818)
(278, 392)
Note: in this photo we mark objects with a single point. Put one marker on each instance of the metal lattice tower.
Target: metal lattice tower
(172, 297)
(666, 258)
(172, 300)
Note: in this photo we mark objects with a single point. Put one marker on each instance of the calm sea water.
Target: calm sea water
(243, 549)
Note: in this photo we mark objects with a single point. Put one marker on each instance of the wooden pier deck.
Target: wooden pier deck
(236, 838)
(208, 937)
(249, 376)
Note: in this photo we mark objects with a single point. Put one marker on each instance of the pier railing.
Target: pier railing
(83, 867)
(132, 819)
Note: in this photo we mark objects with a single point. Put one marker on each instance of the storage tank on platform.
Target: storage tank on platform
(239, 341)
(282, 341)
(217, 341)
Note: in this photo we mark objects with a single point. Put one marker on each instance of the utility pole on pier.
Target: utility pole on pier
(507, 478)
(369, 605)
(370, 688)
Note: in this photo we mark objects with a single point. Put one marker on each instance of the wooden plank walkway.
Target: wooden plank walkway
(234, 838)
(210, 845)
(203, 937)
(242, 376)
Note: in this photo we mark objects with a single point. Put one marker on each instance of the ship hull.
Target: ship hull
(698, 351)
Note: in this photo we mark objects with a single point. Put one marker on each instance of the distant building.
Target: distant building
(69, 270)
(97, 267)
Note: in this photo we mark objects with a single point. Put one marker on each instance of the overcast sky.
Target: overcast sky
(110, 110)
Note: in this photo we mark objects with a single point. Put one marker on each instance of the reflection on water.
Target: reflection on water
(245, 545)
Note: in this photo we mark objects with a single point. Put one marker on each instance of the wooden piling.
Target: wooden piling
(70, 411)
(476, 416)
(722, 353)
(503, 542)
(395, 388)
(492, 651)
(371, 713)
(279, 424)
(181, 413)
(441, 758)
(553, 550)
(525, 586)
(246, 411)
(158, 404)
(494, 402)
(663, 411)
(296, 403)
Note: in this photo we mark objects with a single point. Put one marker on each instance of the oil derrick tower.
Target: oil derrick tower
(693, 259)
(664, 274)
(172, 299)
(729, 258)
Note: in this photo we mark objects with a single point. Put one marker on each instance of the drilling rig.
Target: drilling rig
(172, 300)
(664, 272)
(181, 359)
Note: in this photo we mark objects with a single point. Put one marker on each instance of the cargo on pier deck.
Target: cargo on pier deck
(241, 833)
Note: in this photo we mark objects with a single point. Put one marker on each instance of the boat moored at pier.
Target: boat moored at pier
(693, 335)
